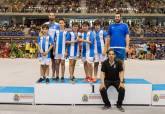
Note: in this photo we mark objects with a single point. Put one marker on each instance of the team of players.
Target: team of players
(56, 44)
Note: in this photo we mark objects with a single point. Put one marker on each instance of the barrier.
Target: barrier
(138, 91)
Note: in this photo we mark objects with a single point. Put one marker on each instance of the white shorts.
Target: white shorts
(88, 59)
(73, 57)
(99, 58)
(59, 56)
(44, 61)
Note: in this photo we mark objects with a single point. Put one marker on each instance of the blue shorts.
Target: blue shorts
(120, 53)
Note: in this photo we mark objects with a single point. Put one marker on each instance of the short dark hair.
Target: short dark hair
(62, 19)
(45, 26)
(118, 13)
(97, 22)
(75, 23)
(110, 50)
(85, 23)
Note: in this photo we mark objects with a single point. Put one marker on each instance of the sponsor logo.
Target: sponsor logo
(156, 98)
(91, 97)
(94, 96)
(18, 97)
(162, 96)
(85, 98)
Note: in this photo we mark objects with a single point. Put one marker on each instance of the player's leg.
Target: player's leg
(72, 63)
(62, 69)
(86, 71)
(96, 64)
(42, 77)
(47, 73)
(57, 62)
(90, 61)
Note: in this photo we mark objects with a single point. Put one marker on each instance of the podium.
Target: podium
(138, 92)
(20, 95)
(158, 94)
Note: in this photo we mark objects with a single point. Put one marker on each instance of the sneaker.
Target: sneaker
(47, 80)
(93, 80)
(53, 78)
(57, 78)
(88, 79)
(120, 108)
(106, 107)
(62, 79)
(40, 80)
(72, 80)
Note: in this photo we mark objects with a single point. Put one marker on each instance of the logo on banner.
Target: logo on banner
(91, 97)
(16, 97)
(156, 98)
(85, 98)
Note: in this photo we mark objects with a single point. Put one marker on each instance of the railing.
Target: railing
(135, 39)
(83, 14)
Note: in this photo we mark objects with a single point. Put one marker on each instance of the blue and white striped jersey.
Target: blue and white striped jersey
(44, 42)
(60, 40)
(100, 37)
(73, 48)
(88, 49)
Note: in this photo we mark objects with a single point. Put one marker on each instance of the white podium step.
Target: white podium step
(158, 94)
(20, 95)
(138, 91)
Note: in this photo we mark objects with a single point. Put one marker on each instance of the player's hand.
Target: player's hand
(45, 53)
(104, 52)
(80, 40)
(121, 85)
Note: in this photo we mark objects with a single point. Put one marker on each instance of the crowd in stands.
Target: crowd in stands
(145, 51)
(28, 49)
(147, 30)
(61, 6)
(13, 30)
(42, 6)
(136, 30)
(148, 6)
(126, 6)
(106, 6)
(92, 6)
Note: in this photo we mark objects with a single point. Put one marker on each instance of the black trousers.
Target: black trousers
(121, 93)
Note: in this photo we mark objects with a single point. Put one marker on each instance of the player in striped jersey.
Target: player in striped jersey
(60, 49)
(45, 44)
(100, 36)
(73, 48)
(87, 50)
(53, 26)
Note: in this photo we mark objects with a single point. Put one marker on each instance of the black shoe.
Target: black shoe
(57, 78)
(40, 80)
(120, 108)
(62, 79)
(106, 107)
(47, 80)
(72, 80)
(53, 78)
